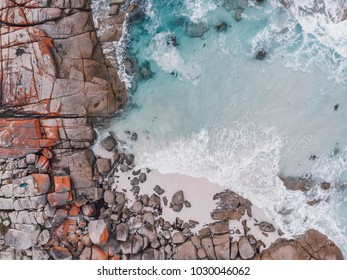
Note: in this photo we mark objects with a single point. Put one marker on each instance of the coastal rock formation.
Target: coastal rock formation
(54, 80)
(57, 199)
(311, 245)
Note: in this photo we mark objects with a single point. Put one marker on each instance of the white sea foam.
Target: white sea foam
(196, 10)
(323, 40)
(169, 59)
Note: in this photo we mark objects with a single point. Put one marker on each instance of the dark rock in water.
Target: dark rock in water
(313, 157)
(171, 40)
(196, 29)
(261, 54)
(336, 107)
(134, 136)
(313, 202)
(221, 27)
(238, 15)
(259, 1)
(297, 183)
(266, 227)
(136, 13)
(133, 7)
(145, 71)
(325, 186)
(129, 159)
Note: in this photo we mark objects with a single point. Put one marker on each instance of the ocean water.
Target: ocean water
(204, 106)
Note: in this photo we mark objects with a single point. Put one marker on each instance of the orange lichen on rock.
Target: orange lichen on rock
(62, 184)
(19, 137)
(42, 183)
(98, 254)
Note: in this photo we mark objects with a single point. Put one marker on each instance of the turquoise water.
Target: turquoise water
(205, 107)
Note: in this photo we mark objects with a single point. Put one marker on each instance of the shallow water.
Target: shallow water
(212, 110)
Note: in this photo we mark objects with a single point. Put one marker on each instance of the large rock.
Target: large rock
(39, 253)
(21, 240)
(319, 246)
(109, 143)
(186, 251)
(234, 249)
(245, 248)
(60, 253)
(311, 245)
(285, 250)
(266, 227)
(207, 244)
(103, 164)
(178, 198)
(122, 232)
(98, 254)
(98, 231)
(178, 238)
(297, 183)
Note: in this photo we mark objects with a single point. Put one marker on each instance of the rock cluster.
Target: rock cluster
(57, 200)
(311, 245)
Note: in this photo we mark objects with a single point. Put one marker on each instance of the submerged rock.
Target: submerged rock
(221, 27)
(145, 71)
(238, 15)
(196, 29)
(297, 183)
(261, 54)
(171, 40)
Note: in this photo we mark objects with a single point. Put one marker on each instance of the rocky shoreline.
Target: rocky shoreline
(57, 199)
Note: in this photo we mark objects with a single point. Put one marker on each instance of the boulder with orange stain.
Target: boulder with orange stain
(99, 231)
(21, 137)
(98, 254)
(60, 253)
(63, 230)
(32, 185)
